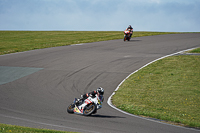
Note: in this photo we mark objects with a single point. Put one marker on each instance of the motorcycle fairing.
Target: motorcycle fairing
(78, 111)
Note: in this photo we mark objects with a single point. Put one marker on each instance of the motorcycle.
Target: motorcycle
(86, 107)
(127, 35)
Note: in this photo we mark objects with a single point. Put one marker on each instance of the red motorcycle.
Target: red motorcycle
(127, 34)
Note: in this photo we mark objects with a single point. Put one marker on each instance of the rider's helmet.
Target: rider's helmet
(100, 90)
(129, 26)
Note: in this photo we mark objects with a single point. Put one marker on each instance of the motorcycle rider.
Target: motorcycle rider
(131, 29)
(99, 91)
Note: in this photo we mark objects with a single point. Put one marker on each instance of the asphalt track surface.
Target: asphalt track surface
(37, 86)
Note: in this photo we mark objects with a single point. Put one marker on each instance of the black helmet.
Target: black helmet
(100, 90)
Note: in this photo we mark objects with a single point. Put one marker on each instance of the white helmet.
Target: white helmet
(100, 90)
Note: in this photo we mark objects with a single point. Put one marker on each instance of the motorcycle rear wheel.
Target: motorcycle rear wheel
(70, 108)
(89, 109)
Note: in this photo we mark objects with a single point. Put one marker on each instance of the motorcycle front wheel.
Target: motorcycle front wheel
(70, 108)
(124, 38)
(89, 109)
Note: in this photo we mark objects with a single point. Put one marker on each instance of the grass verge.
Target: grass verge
(4, 128)
(168, 89)
(197, 50)
(18, 41)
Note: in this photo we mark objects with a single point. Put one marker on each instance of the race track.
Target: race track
(37, 86)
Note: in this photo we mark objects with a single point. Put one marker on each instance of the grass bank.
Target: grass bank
(197, 50)
(18, 129)
(168, 89)
(18, 41)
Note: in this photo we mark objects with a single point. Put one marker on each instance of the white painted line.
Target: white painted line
(110, 103)
(79, 44)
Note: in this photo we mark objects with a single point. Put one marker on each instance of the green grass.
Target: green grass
(18, 41)
(168, 89)
(18, 129)
(197, 50)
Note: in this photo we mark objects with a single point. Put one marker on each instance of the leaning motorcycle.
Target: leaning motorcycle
(86, 107)
(127, 35)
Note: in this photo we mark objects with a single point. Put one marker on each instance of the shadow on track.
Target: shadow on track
(106, 116)
(135, 40)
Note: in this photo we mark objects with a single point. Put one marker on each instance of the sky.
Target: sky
(100, 15)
